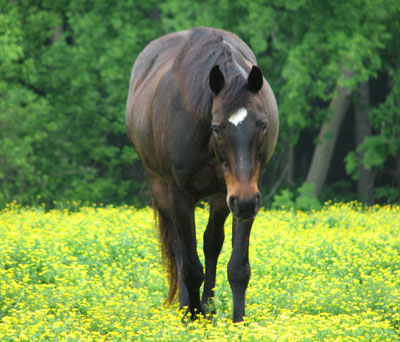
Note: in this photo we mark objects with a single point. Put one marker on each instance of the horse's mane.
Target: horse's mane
(204, 49)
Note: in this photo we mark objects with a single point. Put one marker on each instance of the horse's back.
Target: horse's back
(156, 53)
(169, 47)
(181, 54)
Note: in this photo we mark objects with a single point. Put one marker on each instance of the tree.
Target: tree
(64, 85)
(380, 150)
(321, 42)
(64, 75)
(24, 112)
(321, 161)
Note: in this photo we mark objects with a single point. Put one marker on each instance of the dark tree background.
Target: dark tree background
(64, 75)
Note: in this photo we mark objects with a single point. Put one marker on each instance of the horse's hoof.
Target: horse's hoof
(209, 308)
(192, 315)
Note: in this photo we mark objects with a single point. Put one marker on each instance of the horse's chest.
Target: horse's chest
(200, 179)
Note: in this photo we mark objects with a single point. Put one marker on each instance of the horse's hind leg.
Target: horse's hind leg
(213, 241)
(170, 241)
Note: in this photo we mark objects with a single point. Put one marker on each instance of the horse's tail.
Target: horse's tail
(168, 257)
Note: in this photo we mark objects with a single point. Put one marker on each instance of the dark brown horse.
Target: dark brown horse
(204, 122)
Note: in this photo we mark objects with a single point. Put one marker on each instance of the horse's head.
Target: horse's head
(240, 137)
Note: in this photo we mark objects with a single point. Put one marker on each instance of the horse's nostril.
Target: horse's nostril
(245, 209)
(233, 203)
(257, 198)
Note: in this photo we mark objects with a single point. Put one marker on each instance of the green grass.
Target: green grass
(96, 275)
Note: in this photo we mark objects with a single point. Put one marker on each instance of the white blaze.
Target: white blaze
(238, 117)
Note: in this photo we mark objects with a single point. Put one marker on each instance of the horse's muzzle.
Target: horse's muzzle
(244, 209)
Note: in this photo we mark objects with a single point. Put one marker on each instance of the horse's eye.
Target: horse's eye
(216, 130)
(263, 127)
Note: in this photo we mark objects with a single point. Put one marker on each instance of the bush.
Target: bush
(301, 199)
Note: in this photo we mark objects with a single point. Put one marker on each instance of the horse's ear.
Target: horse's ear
(255, 80)
(217, 80)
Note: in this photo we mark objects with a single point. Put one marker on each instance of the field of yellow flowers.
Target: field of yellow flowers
(95, 275)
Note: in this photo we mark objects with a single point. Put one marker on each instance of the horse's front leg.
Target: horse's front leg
(182, 208)
(213, 241)
(239, 266)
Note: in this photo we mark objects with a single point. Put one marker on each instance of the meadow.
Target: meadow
(95, 274)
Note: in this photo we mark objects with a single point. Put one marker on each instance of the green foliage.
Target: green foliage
(384, 144)
(307, 199)
(386, 120)
(302, 199)
(284, 200)
(65, 67)
(64, 83)
(375, 150)
(387, 194)
(350, 44)
(352, 164)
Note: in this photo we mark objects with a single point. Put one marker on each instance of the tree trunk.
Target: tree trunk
(56, 34)
(284, 169)
(327, 138)
(287, 164)
(365, 181)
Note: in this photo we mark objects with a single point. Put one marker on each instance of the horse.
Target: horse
(204, 122)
